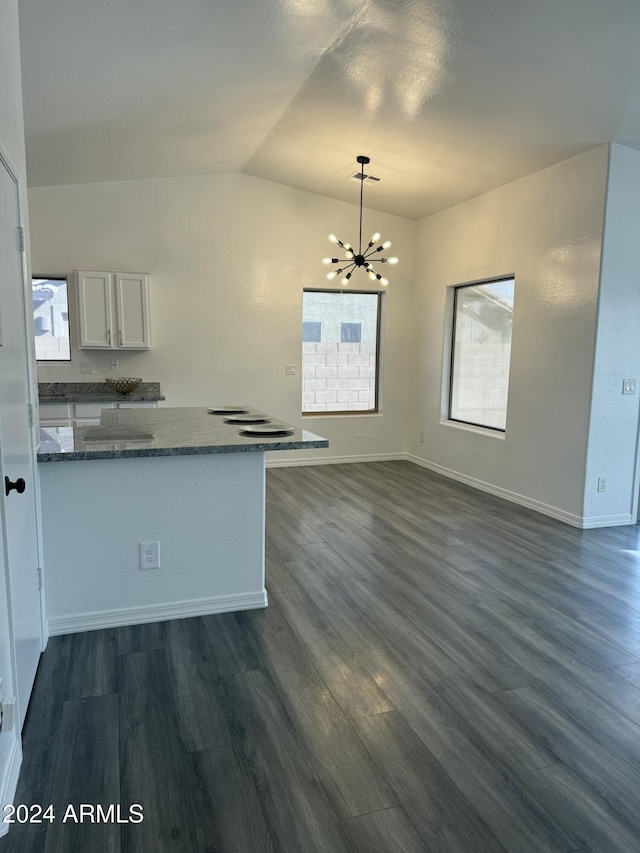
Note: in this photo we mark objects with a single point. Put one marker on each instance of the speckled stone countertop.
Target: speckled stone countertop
(125, 433)
(95, 392)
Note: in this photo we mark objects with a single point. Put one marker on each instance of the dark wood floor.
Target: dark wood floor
(437, 671)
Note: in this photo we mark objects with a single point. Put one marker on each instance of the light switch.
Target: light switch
(628, 386)
(86, 367)
(290, 370)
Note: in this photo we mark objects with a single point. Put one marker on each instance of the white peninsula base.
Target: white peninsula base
(207, 511)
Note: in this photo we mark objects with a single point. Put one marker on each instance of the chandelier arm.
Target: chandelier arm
(368, 255)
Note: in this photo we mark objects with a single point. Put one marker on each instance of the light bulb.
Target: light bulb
(345, 280)
(392, 260)
(371, 274)
(349, 254)
(386, 244)
(327, 261)
(384, 282)
(331, 275)
(375, 238)
(347, 246)
(333, 238)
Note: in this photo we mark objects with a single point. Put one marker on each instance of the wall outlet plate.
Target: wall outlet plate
(149, 555)
(628, 386)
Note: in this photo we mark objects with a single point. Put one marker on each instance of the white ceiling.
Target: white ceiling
(449, 98)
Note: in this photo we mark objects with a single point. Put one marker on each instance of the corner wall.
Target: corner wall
(546, 229)
(228, 257)
(613, 429)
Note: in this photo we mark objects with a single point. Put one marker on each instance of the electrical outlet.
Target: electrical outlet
(628, 386)
(86, 367)
(290, 370)
(421, 437)
(149, 555)
(602, 484)
(114, 364)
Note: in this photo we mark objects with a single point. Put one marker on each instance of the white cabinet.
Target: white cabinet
(114, 310)
(81, 414)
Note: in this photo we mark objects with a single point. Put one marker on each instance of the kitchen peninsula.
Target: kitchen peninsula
(180, 477)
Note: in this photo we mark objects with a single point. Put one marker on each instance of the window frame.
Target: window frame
(452, 347)
(66, 277)
(379, 294)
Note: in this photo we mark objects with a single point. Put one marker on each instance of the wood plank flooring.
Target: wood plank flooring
(437, 671)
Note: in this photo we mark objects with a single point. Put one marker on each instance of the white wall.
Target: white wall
(546, 229)
(228, 258)
(12, 148)
(613, 431)
(11, 120)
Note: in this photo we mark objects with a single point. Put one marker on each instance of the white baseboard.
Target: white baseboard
(335, 460)
(607, 521)
(156, 613)
(10, 779)
(505, 494)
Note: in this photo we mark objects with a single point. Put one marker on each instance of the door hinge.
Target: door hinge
(39, 578)
(30, 414)
(20, 238)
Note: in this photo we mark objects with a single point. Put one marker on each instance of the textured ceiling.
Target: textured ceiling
(449, 98)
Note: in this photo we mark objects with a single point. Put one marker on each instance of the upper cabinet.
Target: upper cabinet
(114, 310)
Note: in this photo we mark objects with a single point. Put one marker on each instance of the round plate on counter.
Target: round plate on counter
(228, 410)
(255, 418)
(267, 430)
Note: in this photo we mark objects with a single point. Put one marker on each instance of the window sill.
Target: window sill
(490, 433)
(341, 414)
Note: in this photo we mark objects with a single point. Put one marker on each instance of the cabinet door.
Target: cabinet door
(89, 413)
(132, 304)
(94, 304)
(54, 414)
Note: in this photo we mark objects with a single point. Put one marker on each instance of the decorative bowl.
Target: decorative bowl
(123, 385)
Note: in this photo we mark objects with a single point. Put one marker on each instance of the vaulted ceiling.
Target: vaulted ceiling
(449, 98)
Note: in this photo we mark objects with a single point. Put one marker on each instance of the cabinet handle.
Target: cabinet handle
(120, 337)
(109, 336)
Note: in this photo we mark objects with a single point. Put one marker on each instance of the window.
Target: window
(340, 373)
(51, 319)
(481, 352)
(311, 333)
(350, 333)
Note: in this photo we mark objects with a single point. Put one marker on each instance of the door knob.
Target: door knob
(19, 485)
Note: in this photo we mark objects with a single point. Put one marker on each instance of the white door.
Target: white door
(19, 507)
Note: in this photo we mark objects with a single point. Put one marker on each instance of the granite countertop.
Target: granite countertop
(95, 392)
(125, 433)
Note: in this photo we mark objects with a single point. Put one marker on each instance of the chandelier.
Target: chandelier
(365, 259)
